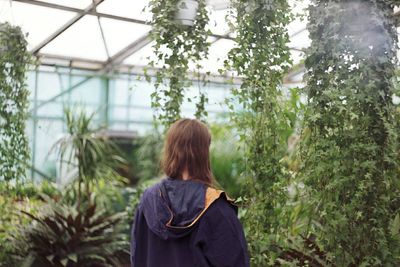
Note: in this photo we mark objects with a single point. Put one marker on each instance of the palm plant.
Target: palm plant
(84, 148)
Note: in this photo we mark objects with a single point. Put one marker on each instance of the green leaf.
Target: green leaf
(395, 226)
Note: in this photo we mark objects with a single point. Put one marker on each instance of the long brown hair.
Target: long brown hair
(187, 146)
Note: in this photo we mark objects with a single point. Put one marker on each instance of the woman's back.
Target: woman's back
(186, 223)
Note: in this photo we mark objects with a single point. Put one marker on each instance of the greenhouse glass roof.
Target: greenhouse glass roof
(106, 35)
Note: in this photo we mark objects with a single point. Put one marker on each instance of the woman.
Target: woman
(183, 221)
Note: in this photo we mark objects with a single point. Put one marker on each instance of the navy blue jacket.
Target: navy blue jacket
(187, 224)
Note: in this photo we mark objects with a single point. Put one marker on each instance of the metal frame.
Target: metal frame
(114, 62)
(129, 50)
(63, 28)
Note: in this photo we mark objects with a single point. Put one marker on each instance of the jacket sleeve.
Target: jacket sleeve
(139, 236)
(220, 238)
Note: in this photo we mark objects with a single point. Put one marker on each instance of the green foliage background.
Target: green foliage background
(350, 152)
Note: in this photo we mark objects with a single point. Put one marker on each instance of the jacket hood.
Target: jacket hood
(173, 206)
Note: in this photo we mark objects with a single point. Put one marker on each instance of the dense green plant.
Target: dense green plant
(86, 149)
(350, 152)
(10, 220)
(148, 155)
(24, 196)
(29, 190)
(175, 47)
(226, 158)
(65, 235)
(107, 191)
(21, 196)
(261, 56)
(14, 60)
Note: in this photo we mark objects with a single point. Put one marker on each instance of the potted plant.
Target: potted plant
(180, 37)
(14, 62)
(186, 12)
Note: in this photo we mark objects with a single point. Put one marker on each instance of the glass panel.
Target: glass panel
(119, 92)
(48, 85)
(217, 23)
(82, 4)
(119, 34)
(300, 40)
(43, 23)
(296, 56)
(217, 55)
(82, 40)
(192, 93)
(219, 4)
(126, 8)
(216, 96)
(140, 128)
(52, 109)
(140, 58)
(48, 132)
(118, 126)
(141, 93)
(30, 80)
(141, 114)
(296, 26)
(89, 93)
(119, 113)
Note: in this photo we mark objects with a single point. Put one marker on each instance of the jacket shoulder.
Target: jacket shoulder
(221, 210)
(151, 191)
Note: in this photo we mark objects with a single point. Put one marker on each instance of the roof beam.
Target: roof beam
(65, 26)
(80, 11)
(92, 11)
(127, 51)
(297, 32)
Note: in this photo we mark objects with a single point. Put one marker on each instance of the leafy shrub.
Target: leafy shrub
(226, 158)
(29, 190)
(26, 197)
(10, 220)
(148, 154)
(62, 235)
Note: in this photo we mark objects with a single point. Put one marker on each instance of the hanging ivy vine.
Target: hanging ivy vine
(350, 153)
(14, 60)
(175, 47)
(261, 56)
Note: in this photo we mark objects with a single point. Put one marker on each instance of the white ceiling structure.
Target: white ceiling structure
(105, 35)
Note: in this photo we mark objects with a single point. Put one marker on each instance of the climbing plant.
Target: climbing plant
(261, 56)
(176, 46)
(350, 152)
(14, 60)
